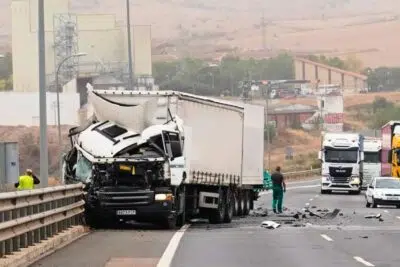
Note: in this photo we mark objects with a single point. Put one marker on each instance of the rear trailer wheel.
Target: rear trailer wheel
(235, 205)
(217, 215)
(241, 200)
(246, 210)
(229, 209)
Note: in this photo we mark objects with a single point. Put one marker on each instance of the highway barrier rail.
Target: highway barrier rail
(30, 216)
(302, 174)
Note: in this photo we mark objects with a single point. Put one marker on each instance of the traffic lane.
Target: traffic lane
(377, 246)
(107, 246)
(297, 194)
(256, 246)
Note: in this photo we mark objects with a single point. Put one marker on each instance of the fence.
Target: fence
(28, 217)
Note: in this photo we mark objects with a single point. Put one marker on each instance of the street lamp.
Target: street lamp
(58, 105)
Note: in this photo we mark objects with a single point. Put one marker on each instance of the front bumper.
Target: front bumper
(340, 186)
(154, 212)
(388, 202)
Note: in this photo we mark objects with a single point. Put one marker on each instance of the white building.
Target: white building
(99, 35)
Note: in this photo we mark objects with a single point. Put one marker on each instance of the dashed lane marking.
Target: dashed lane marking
(168, 255)
(327, 238)
(361, 260)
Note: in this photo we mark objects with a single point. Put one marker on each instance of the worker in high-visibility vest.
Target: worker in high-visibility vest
(27, 181)
(278, 188)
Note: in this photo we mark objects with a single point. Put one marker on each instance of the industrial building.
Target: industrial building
(101, 36)
(309, 70)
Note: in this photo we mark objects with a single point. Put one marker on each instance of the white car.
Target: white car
(383, 191)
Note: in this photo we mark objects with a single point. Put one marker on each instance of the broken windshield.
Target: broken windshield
(336, 155)
(83, 168)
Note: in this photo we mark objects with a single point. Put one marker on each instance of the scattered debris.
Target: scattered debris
(363, 236)
(270, 224)
(370, 216)
(333, 214)
(349, 238)
(258, 213)
(313, 207)
(380, 219)
(341, 214)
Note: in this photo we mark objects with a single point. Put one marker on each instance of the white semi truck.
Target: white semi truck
(341, 155)
(166, 156)
(372, 159)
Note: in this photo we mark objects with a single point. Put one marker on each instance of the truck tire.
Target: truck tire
(236, 204)
(251, 197)
(217, 215)
(241, 203)
(170, 223)
(246, 209)
(229, 207)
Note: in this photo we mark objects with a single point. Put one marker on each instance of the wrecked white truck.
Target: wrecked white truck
(165, 157)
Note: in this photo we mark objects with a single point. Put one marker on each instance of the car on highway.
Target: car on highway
(383, 191)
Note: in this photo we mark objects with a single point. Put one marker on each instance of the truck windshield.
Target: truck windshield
(371, 157)
(336, 155)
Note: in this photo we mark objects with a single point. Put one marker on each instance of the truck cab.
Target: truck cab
(372, 160)
(341, 155)
(390, 157)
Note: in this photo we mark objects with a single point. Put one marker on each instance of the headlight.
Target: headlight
(326, 177)
(355, 180)
(378, 195)
(163, 197)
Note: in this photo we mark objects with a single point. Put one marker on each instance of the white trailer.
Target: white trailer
(372, 159)
(222, 145)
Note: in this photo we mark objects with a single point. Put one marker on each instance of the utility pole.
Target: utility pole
(44, 157)
(128, 29)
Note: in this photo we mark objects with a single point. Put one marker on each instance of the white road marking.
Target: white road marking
(386, 211)
(168, 255)
(327, 238)
(361, 260)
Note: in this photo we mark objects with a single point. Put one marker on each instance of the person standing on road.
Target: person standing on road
(27, 181)
(278, 188)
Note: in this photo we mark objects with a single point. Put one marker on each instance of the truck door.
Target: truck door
(172, 144)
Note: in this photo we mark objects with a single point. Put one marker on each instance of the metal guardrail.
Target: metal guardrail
(28, 217)
(300, 174)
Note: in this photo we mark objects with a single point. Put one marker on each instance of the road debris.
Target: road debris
(270, 224)
(363, 236)
(370, 216)
(259, 212)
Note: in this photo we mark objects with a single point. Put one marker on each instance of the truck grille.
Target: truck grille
(121, 197)
(339, 172)
(340, 179)
(392, 195)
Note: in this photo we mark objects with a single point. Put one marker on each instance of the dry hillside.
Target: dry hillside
(211, 28)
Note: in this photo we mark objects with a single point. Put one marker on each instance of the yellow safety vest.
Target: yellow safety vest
(25, 182)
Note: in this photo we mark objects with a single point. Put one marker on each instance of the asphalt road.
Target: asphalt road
(348, 240)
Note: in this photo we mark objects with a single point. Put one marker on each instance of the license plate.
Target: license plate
(393, 198)
(126, 212)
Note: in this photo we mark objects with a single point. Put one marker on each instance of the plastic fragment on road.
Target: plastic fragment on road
(370, 216)
(270, 224)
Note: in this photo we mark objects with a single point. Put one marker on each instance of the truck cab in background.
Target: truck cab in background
(390, 156)
(372, 160)
(341, 155)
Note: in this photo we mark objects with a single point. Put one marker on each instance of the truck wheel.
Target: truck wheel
(235, 204)
(170, 223)
(229, 209)
(241, 203)
(251, 197)
(246, 209)
(217, 215)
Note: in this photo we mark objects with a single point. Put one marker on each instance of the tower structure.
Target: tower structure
(65, 45)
